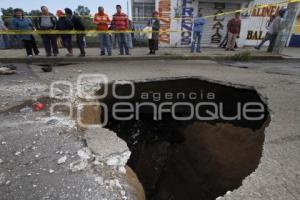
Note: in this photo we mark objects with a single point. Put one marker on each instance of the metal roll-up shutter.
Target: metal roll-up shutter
(216, 28)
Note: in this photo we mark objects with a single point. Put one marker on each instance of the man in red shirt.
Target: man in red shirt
(234, 29)
(120, 25)
(102, 20)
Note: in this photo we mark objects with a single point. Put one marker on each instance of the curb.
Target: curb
(129, 58)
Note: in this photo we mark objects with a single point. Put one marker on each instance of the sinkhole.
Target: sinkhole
(189, 138)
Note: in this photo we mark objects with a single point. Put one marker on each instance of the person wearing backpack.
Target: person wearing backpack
(64, 23)
(78, 26)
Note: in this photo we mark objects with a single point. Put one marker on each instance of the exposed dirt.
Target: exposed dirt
(191, 159)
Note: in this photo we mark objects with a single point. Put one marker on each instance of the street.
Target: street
(47, 157)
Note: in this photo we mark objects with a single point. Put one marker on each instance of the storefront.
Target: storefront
(254, 27)
(295, 38)
(177, 16)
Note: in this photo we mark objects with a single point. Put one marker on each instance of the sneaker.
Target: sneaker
(55, 54)
(81, 55)
(29, 56)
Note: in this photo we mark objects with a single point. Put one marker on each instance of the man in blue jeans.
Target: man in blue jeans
(198, 25)
(47, 22)
(102, 20)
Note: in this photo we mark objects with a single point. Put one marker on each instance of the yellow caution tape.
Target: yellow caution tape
(57, 32)
(208, 16)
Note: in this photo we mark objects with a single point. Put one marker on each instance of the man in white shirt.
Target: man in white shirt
(268, 35)
(274, 30)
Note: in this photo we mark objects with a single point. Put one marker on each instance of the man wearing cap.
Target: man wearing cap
(65, 23)
(120, 25)
(80, 27)
(102, 21)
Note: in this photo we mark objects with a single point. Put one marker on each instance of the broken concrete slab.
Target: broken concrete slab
(106, 145)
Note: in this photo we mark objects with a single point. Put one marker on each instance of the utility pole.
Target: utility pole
(287, 26)
(127, 8)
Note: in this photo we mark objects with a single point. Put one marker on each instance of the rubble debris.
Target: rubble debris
(78, 165)
(6, 71)
(118, 160)
(51, 171)
(123, 193)
(99, 180)
(114, 183)
(62, 160)
(85, 153)
(122, 170)
(52, 122)
(26, 110)
(10, 66)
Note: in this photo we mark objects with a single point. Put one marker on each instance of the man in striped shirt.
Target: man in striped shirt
(120, 25)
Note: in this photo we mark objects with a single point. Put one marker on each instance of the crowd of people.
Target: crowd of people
(66, 21)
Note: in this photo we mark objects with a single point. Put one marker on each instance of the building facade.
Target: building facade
(141, 11)
(176, 20)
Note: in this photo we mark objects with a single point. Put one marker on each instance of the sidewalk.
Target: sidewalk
(291, 53)
(140, 53)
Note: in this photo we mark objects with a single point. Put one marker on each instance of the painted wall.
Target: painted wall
(295, 39)
(177, 16)
(254, 26)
